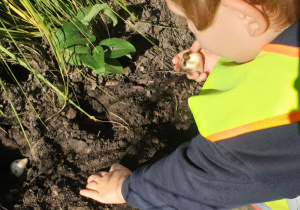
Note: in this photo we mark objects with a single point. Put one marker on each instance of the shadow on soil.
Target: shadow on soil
(8, 182)
(165, 132)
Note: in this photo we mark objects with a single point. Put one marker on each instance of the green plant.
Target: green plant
(76, 43)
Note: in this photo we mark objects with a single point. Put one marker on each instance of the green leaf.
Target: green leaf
(98, 55)
(113, 66)
(76, 27)
(76, 33)
(71, 34)
(81, 49)
(109, 13)
(72, 58)
(128, 56)
(117, 47)
(93, 12)
(58, 40)
(85, 15)
(94, 61)
(83, 11)
(67, 54)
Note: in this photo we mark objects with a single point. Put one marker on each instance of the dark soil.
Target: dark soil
(142, 116)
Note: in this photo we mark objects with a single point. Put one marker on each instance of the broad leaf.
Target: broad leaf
(85, 15)
(109, 13)
(81, 49)
(117, 47)
(93, 12)
(98, 55)
(83, 11)
(76, 33)
(71, 28)
(71, 54)
(72, 34)
(95, 61)
(113, 66)
(74, 59)
(58, 40)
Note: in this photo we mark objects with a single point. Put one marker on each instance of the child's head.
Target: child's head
(236, 29)
(202, 12)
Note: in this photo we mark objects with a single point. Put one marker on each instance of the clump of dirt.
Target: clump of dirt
(141, 116)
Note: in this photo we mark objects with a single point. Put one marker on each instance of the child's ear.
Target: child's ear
(255, 22)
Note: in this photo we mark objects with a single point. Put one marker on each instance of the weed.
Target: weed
(76, 43)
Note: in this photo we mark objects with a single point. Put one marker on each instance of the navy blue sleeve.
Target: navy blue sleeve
(251, 168)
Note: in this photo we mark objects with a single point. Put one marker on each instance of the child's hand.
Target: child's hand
(209, 60)
(105, 187)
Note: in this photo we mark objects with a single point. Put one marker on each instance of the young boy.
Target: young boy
(248, 149)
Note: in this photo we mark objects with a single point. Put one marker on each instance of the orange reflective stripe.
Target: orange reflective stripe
(260, 206)
(279, 120)
(255, 207)
(283, 49)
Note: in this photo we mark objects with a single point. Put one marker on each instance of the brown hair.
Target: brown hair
(202, 12)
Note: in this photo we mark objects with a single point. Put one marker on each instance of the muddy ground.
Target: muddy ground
(142, 116)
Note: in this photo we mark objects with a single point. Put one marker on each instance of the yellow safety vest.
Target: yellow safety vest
(284, 204)
(241, 98)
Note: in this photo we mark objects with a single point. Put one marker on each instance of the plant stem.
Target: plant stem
(19, 120)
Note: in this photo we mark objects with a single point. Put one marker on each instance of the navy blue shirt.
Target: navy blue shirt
(255, 167)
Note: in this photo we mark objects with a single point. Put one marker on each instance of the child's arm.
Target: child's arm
(251, 168)
(209, 60)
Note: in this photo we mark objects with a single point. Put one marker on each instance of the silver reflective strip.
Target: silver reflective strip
(262, 206)
(294, 204)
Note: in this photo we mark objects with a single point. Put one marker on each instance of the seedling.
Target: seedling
(76, 43)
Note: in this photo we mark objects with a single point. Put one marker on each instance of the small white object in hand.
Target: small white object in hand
(17, 167)
(191, 62)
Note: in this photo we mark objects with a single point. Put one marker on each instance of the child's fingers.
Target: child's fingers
(202, 77)
(177, 68)
(197, 76)
(96, 176)
(193, 75)
(92, 185)
(175, 59)
(93, 177)
(90, 194)
(116, 166)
